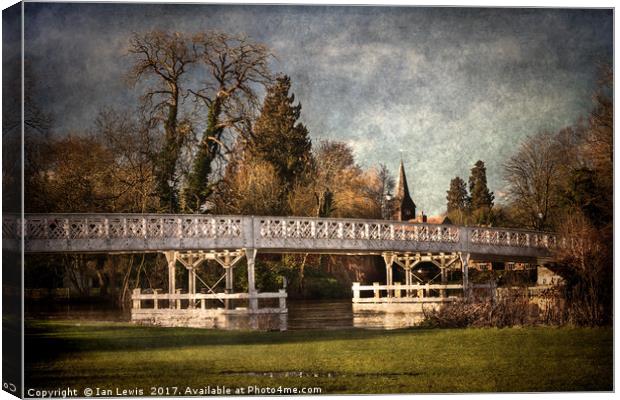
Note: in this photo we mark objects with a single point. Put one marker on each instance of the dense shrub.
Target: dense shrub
(511, 307)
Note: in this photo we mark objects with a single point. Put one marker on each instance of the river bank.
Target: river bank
(111, 355)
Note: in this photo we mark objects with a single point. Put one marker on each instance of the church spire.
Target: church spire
(403, 188)
(405, 207)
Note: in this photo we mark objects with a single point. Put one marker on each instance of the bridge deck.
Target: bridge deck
(123, 233)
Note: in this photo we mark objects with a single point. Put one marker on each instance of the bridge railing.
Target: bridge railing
(417, 293)
(111, 226)
(64, 232)
(156, 299)
(397, 293)
(513, 238)
(353, 229)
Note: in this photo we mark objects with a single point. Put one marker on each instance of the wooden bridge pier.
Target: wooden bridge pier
(196, 313)
(465, 268)
(417, 293)
(250, 255)
(228, 260)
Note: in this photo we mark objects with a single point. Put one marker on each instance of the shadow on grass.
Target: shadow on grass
(46, 340)
(410, 360)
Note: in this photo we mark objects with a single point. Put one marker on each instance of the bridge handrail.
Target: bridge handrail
(432, 286)
(353, 229)
(257, 230)
(174, 299)
(209, 296)
(111, 226)
(512, 237)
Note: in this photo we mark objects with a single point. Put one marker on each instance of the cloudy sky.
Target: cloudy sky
(444, 87)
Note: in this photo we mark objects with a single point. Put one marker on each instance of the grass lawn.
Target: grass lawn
(111, 355)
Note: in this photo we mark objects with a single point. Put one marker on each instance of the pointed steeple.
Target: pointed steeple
(405, 207)
(403, 189)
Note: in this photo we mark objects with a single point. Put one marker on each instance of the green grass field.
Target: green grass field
(111, 355)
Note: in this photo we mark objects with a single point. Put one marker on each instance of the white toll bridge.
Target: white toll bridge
(190, 240)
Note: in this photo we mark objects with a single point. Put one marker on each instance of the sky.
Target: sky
(439, 87)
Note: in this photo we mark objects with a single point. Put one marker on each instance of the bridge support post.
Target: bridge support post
(228, 271)
(172, 261)
(356, 291)
(444, 275)
(177, 302)
(389, 262)
(465, 265)
(250, 255)
(408, 262)
(228, 260)
(191, 287)
(407, 278)
(136, 300)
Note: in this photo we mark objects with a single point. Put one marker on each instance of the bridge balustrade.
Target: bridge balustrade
(514, 238)
(162, 232)
(417, 293)
(316, 228)
(156, 299)
(128, 226)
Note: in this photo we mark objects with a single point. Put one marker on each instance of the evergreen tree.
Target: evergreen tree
(481, 197)
(457, 195)
(278, 136)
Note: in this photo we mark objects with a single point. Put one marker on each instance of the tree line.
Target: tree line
(562, 182)
(214, 131)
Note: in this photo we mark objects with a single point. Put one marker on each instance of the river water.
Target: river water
(302, 315)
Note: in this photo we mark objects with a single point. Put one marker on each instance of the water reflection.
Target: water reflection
(81, 312)
(302, 315)
(320, 314)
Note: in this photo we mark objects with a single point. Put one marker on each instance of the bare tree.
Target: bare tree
(75, 175)
(134, 171)
(37, 127)
(384, 197)
(534, 176)
(332, 160)
(333, 157)
(234, 69)
(352, 191)
(255, 189)
(587, 259)
(387, 180)
(599, 136)
(161, 60)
